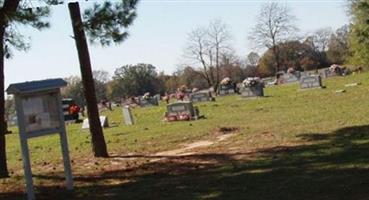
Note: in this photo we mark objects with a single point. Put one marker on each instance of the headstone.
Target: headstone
(184, 108)
(308, 82)
(158, 97)
(39, 113)
(201, 97)
(145, 102)
(103, 121)
(291, 77)
(226, 90)
(253, 91)
(269, 81)
(127, 115)
(327, 72)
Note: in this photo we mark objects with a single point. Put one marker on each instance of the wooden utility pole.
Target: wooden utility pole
(97, 136)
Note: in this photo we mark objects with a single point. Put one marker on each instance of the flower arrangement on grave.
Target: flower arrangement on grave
(195, 90)
(251, 82)
(226, 81)
(291, 70)
(181, 93)
(146, 96)
(183, 88)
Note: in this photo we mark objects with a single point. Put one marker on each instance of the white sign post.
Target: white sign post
(39, 112)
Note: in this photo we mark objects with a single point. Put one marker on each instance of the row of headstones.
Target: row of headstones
(306, 82)
(296, 76)
(193, 97)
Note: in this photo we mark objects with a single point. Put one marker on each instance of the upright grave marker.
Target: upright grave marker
(226, 90)
(181, 111)
(39, 113)
(291, 77)
(201, 97)
(308, 82)
(148, 101)
(252, 87)
(127, 115)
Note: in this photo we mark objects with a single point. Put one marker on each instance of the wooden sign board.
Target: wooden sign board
(39, 113)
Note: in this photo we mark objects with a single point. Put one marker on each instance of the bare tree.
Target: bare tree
(252, 59)
(206, 46)
(274, 25)
(197, 50)
(319, 40)
(218, 37)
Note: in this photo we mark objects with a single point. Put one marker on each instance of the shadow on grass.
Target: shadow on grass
(329, 166)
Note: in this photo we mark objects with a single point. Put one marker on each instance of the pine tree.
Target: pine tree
(105, 22)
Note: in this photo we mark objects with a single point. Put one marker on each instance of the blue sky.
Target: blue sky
(158, 36)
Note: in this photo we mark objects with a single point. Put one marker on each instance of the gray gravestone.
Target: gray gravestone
(39, 113)
(127, 115)
(226, 90)
(182, 107)
(253, 91)
(151, 101)
(308, 82)
(291, 77)
(326, 73)
(201, 97)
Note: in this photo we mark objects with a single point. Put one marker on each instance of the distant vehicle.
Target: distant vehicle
(70, 110)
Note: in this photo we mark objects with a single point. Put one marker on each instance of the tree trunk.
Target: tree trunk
(9, 7)
(97, 136)
(277, 59)
(3, 165)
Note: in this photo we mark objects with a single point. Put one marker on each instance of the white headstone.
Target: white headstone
(103, 121)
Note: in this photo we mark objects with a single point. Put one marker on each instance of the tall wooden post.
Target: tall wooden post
(98, 140)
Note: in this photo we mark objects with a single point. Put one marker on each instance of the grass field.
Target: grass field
(291, 144)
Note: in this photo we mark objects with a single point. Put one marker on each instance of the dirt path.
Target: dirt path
(221, 134)
(188, 148)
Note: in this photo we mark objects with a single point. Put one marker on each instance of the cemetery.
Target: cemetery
(133, 167)
(183, 100)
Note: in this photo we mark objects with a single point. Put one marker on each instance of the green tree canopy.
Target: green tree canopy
(134, 80)
(359, 35)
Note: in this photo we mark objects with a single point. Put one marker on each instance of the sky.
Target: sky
(158, 35)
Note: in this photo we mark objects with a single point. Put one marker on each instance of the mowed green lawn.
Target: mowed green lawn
(291, 144)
